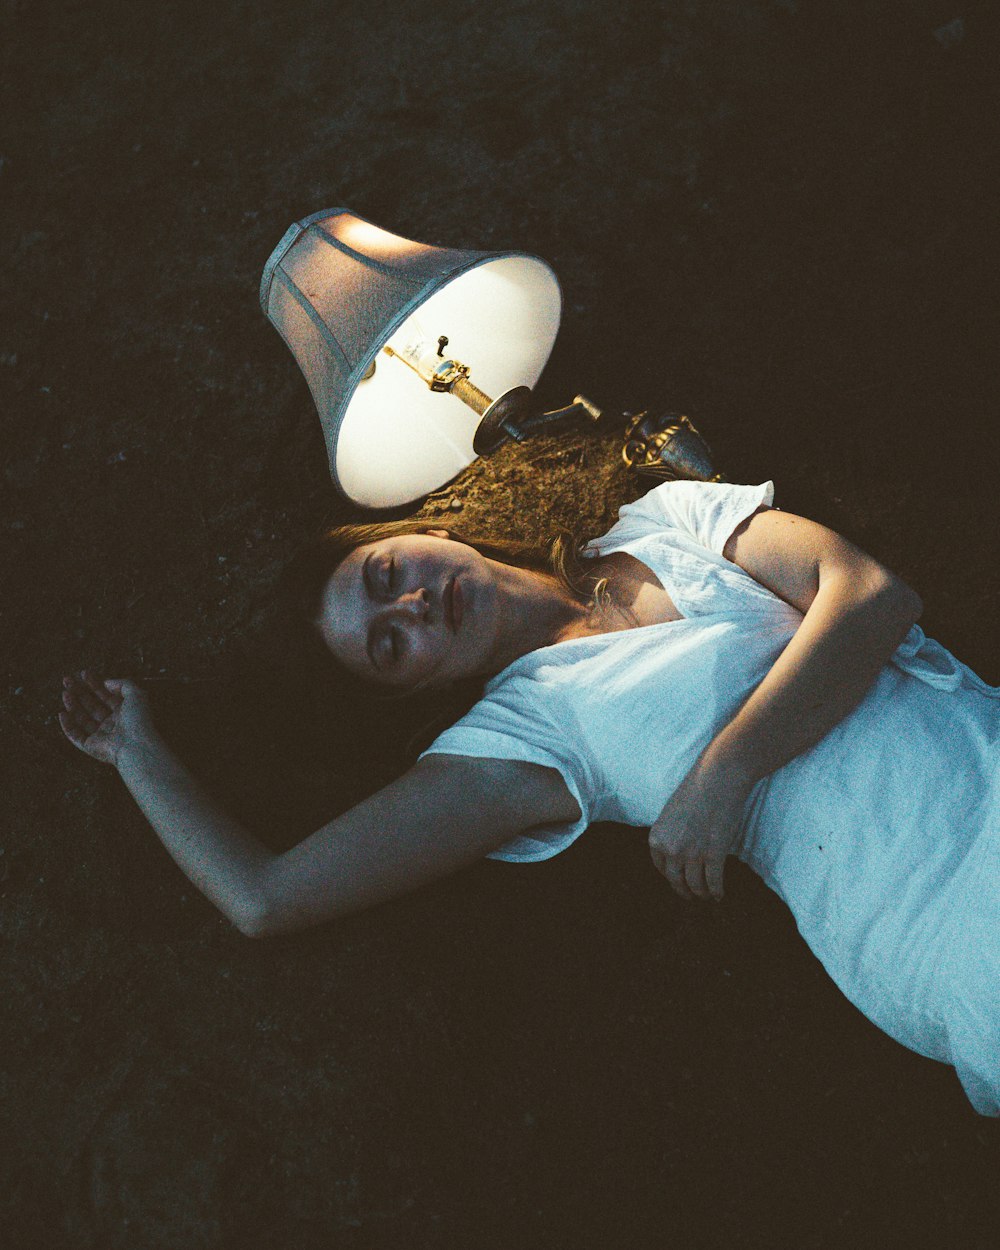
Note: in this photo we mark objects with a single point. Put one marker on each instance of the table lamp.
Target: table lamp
(368, 316)
(418, 358)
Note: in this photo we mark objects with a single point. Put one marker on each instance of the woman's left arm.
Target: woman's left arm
(856, 613)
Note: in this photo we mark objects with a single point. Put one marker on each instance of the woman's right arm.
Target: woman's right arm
(446, 812)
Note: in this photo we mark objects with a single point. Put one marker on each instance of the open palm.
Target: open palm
(102, 715)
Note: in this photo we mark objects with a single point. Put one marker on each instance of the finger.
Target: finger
(116, 696)
(90, 686)
(694, 875)
(95, 684)
(680, 885)
(93, 695)
(714, 870)
(114, 690)
(674, 873)
(119, 687)
(87, 700)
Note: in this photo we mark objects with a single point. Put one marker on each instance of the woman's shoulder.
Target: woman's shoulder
(703, 513)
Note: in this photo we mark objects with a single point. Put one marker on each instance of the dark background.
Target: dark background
(774, 216)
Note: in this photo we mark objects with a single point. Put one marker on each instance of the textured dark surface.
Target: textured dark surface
(775, 217)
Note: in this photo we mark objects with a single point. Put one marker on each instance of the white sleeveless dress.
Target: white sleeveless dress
(883, 838)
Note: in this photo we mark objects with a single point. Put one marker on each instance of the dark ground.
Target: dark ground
(776, 217)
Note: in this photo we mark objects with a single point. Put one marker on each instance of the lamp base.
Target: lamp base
(661, 445)
(666, 446)
(520, 415)
(504, 418)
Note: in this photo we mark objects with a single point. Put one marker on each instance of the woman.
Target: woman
(740, 680)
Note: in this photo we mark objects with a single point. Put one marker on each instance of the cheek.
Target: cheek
(425, 658)
(423, 652)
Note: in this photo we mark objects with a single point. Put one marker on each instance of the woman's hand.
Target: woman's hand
(102, 717)
(698, 828)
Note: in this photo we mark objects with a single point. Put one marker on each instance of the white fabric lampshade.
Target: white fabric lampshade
(338, 289)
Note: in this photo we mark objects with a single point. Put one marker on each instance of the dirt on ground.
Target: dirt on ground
(776, 216)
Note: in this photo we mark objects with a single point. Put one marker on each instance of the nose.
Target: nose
(414, 605)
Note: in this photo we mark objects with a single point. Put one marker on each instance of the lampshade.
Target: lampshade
(339, 289)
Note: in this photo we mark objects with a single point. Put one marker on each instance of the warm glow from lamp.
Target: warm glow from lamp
(371, 240)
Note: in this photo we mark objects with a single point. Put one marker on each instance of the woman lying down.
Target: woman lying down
(803, 721)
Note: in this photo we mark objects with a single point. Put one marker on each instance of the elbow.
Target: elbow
(254, 912)
(253, 920)
(911, 606)
(271, 905)
(264, 909)
(899, 601)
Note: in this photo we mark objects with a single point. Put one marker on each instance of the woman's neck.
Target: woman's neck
(534, 610)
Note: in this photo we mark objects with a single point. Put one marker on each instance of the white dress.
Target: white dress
(883, 838)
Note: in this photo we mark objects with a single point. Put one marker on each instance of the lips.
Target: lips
(453, 605)
(457, 604)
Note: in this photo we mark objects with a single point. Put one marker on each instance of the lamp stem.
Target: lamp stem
(446, 375)
(470, 394)
(513, 415)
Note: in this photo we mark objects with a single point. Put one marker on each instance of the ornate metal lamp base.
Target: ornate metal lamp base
(661, 445)
(666, 446)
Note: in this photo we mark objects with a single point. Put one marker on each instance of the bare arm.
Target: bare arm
(856, 612)
(445, 813)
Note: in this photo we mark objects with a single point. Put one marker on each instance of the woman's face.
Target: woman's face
(413, 611)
